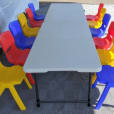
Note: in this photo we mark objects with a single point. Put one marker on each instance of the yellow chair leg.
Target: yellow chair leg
(93, 78)
(1, 90)
(27, 82)
(17, 98)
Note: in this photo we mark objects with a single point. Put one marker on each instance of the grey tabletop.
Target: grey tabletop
(64, 42)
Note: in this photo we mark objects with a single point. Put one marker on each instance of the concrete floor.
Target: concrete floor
(58, 86)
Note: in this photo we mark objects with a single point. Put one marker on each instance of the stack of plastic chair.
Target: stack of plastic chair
(32, 21)
(11, 76)
(105, 48)
(27, 30)
(95, 17)
(14, 55)
(36, 17)
(101, 31)
(106, 76)
(107, 42)
(97, 24)
(107, 60)
(21, 40)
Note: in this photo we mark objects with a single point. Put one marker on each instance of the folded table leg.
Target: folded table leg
(37, 91)
(89, 90)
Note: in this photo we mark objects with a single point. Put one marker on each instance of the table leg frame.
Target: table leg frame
(38, 101)
(37, 91)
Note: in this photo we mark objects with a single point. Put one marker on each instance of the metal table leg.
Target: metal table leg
(76, 101)
(37, 91)
(89, 90)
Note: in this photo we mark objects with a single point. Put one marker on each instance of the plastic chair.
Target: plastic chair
(36, 17)
(14, 55)
(101, 31)
(103, 43)
(28, 31)
(11, 76)
(97, 24)
(21, 40)
(107, 42)
(32, 21)
(95, 17)
(106, 76)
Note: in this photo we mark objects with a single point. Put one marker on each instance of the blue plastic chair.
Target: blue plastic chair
(21, 41)
(101, 31)
(36, 17)
(106, 76)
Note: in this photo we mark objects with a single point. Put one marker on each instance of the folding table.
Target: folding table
(64, 43)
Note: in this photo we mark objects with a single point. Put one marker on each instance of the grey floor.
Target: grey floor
(58, 86)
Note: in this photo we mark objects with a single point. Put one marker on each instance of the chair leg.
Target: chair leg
(27, 82)
(95, 83)
(30, 78)
(94, 78)
(17, 98)
(103, 96)
(1, 90)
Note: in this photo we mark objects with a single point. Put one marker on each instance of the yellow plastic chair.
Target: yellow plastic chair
(28, 31)
(106, 58)
(11, 76)
(97, 24)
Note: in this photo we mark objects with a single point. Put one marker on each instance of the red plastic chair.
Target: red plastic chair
(107, 42)
(13, 54)
(95, 17)
(33, 22)
(103, 43)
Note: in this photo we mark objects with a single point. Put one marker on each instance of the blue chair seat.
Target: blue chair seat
(101, 31)
(21, 41)
(36, 17)
(96, 32)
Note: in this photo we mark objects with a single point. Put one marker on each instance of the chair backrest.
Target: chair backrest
(15, 29)
(111, 29)
(22, 20)
(103, 11)
(28, 31)
(106, 56)
(29, 14)
(6, 41)
(106, 20)
(101, 5)
(31, 6)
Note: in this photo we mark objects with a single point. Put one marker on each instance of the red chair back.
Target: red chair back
(13, 54)
(32, 21)
(6, 41)
(111, 29)
(101, 5)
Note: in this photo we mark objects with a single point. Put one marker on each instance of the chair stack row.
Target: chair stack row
(105, 47)
(16, 44)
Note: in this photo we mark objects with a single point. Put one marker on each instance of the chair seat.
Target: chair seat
(105, 76)
(94, 24)
(11, 75)
(92, 17)
(97, 32)
(103, 43)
